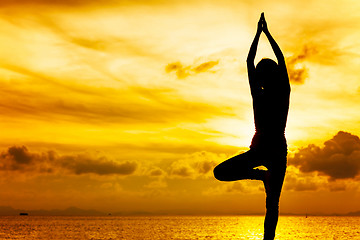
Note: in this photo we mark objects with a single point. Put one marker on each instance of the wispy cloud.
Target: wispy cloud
(297, 71)
(184, 71)
(103, 105)
(199, 164)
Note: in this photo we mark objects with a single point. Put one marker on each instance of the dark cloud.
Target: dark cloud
(83, 164)
(19, 158)
(20, 154)
(184, 71)
(16, 158)
(339, 158)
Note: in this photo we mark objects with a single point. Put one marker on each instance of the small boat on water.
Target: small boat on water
(23, 214)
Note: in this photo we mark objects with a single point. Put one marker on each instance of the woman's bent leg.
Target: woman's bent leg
(239, 167)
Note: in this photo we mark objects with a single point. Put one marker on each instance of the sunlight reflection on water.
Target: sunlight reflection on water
(176, 227)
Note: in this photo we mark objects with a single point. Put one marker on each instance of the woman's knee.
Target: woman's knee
(234, 168)
(219, 173)
(225, 172)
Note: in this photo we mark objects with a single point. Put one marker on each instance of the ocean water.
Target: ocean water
(176, 227)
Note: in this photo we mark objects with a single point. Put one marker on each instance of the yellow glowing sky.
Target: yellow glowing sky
(127, 105)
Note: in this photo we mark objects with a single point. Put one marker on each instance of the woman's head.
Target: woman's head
(267, 72)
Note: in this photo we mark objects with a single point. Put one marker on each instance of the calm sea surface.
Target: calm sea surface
(240, 227)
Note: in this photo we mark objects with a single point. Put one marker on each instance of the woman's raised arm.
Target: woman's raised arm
(251, 57)
(279, 55)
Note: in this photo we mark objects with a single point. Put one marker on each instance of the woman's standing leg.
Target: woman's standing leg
(273, 182)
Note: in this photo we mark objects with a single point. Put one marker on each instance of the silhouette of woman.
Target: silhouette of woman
(270, 91)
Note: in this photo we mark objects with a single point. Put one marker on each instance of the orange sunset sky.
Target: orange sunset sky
(124, 106)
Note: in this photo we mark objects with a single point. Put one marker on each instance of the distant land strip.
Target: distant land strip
(74, 211)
